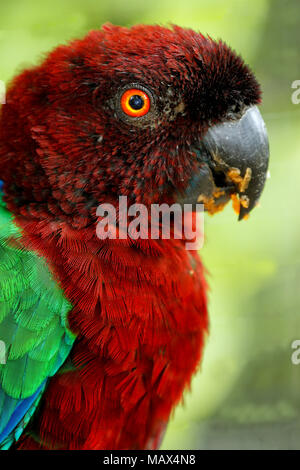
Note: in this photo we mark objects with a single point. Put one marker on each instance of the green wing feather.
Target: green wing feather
(33, 321)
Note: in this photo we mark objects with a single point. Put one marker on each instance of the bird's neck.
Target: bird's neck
(116, 281)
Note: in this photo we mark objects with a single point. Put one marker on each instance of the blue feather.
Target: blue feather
(21, 409)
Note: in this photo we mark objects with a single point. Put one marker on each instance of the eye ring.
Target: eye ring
(135, 102)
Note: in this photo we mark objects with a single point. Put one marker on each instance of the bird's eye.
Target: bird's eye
(135, 102)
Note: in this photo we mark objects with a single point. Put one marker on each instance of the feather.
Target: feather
(33, 327)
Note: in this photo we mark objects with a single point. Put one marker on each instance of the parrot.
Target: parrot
(103, 336)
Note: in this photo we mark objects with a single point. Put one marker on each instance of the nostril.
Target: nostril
(219, 179)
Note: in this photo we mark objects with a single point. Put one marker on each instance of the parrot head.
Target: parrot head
(152, 113)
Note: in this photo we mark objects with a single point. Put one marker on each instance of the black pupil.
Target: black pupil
(136, 102)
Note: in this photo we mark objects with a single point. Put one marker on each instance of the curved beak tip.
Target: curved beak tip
(240, 149)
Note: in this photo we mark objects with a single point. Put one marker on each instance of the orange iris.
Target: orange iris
(135, 102)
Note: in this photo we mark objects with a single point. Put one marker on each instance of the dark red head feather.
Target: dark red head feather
(66, 143)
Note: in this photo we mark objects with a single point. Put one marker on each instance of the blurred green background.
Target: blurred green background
(247, 394)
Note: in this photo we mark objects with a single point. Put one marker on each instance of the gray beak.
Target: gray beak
(233, 160)
(243, 146)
